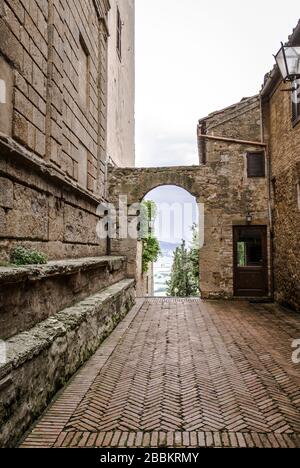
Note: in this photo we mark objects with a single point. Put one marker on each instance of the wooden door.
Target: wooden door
(250, 261)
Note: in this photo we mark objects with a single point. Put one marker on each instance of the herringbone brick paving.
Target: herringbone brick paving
(184, 373)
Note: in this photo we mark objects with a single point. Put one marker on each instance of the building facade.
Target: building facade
(281, 116)
(231, 187)
(121, 84)
(232, 138)
(58, 69)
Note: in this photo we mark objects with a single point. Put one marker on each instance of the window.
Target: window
(296, 103)
(256, 164)
(249, 248)
(83, 73)
(119, 34)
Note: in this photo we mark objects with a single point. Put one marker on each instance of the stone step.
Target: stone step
(31, 294)
(40, 361)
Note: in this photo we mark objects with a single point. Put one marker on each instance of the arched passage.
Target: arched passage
(217, 187)
(137, 183)
(134, 184)
(176, 220)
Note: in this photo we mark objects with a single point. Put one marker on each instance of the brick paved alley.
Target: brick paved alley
(184, 373)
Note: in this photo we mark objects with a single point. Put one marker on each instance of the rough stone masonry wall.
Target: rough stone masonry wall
(44, 47)
(31, 294)
(241, 194)
(227, 194)
(42, 360)
(221, 185)
(284, 153)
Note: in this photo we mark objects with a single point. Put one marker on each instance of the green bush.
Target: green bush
(22, 256)
(151, 252)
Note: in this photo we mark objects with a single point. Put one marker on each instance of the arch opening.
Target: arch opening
(176, 222)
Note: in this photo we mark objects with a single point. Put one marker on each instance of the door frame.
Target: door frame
(265, 266)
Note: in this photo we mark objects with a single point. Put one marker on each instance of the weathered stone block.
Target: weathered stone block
(6, 193)
(29, 217)
(2, 222)
(80, 226)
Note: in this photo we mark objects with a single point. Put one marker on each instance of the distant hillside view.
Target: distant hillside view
(163, 267)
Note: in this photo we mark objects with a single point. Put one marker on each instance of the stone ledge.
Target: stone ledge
(41, 360)
(57, 268)
(10, 150)
(26, 345)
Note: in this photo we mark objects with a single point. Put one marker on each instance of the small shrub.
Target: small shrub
(22, 256)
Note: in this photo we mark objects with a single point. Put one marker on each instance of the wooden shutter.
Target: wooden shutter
(256, 164)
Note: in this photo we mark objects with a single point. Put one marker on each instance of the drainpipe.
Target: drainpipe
(231, 140)
(270, 211)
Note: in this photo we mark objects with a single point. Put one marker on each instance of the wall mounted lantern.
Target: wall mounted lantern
(249, 218)
(288, 61)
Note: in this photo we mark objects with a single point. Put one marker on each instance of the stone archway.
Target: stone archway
(199, 181)
(228, 197)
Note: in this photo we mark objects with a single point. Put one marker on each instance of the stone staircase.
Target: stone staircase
(52, 319)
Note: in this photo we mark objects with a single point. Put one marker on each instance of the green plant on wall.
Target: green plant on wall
(151, 247)
(22, 256)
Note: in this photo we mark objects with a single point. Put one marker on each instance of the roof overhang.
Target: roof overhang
(273, 78)
(102, 8)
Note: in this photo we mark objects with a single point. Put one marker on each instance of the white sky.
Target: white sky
(194, 57)
(177, 212)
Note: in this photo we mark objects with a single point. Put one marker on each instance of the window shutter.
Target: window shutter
(256, 164)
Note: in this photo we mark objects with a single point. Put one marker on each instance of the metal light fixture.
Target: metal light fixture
(288, 61)
(249, 218)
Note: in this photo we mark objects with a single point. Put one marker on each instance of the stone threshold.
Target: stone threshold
(15, 274)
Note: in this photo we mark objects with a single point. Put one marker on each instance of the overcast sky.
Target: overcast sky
(194, 57)
(177, 212)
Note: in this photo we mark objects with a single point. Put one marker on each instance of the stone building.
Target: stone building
(63, 78)
(230, 141)
(64, 72)
(121, 84)
(231, 188)
(281, 127)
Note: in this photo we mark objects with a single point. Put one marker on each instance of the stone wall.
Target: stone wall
(41, 209)
(144, 281)
(53, 108)
(284, 158)
(228, 196)
(31, 294)
(42, 360)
